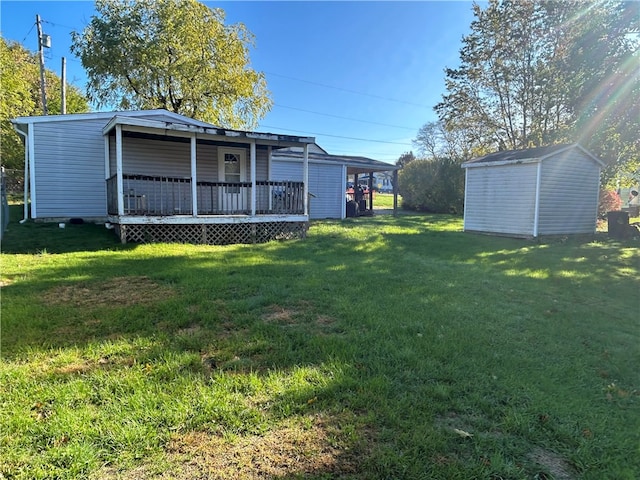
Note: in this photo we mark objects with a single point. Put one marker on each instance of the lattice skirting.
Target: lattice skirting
(215, 234)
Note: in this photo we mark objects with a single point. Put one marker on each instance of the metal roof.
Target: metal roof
(529, 155)
(354, 164)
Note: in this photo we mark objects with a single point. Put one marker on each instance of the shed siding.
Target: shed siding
(69, 169)
(568, 194)
(326, 183)
(501, 199)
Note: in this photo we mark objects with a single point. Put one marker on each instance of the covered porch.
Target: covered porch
(190, 183)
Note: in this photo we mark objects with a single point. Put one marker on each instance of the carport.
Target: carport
(328, 178)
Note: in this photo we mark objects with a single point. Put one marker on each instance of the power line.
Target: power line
(348, 90)
(59, 25)
(336, 136)
(28, 33)
(344, 118)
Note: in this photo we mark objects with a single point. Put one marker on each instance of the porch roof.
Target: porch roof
(186, 128)
(355, 165)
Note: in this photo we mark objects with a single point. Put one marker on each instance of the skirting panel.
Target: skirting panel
(212, 234)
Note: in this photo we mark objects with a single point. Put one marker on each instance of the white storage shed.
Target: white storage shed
(528, 193)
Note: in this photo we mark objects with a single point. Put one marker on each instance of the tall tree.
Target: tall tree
(405, 159)
(434, 141)
(535, 72)
(20, 96)
(173, 54)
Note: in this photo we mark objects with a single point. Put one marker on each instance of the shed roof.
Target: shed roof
(529, 155)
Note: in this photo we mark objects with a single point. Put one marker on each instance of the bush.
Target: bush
(435, 186)
(609, 201)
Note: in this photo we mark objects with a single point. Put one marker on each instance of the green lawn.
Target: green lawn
(385, 200)
(377, 347)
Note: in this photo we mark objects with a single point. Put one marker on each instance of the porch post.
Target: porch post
(119, 179)
(395, 193)
(269, 173)
(371, 191)
(194, 180)
(305, 177)
(252, 166)
(107, 172)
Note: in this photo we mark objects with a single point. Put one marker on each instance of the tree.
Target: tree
(435, 186)
(435, 141)
(20, 96)
(172, 54)
(535, 73)
(405, 158)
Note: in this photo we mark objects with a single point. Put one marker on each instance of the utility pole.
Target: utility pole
(63, 86)
(43, 92)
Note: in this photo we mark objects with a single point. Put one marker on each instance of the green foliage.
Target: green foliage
(178, 55)
(535, 73)
(435, 140)
(20, 96)
(405, 159)
(433, 186)
(609, 201)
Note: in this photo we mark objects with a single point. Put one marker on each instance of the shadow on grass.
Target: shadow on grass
(357, 310)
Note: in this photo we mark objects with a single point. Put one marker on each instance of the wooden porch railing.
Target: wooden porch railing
(163, 196)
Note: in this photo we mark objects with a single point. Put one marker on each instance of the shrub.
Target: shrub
(435, 186)
(609, 201)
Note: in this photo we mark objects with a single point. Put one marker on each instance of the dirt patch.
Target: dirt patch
(115, 292)
(73, 368)
(292, 451)
(281, 315)
(558, 466)
(291, 317)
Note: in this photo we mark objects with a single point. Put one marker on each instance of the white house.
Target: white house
(160, 176)
(540, 191)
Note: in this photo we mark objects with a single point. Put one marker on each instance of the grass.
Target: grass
(378, 347)
(385, 200)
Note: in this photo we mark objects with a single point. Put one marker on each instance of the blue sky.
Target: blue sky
(362, 77)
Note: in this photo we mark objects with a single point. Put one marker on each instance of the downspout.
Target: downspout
(26, 173)
(537, 205)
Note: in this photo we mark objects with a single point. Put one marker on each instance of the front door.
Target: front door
(233, 171)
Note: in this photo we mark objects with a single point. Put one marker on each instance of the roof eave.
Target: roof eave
(472, 164)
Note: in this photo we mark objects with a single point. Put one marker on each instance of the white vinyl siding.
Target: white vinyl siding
(326, 183)
(501, 199)
(568, 194)
(500, 196)
(69, 169)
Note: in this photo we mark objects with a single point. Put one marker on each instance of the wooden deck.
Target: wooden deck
(161, 209)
